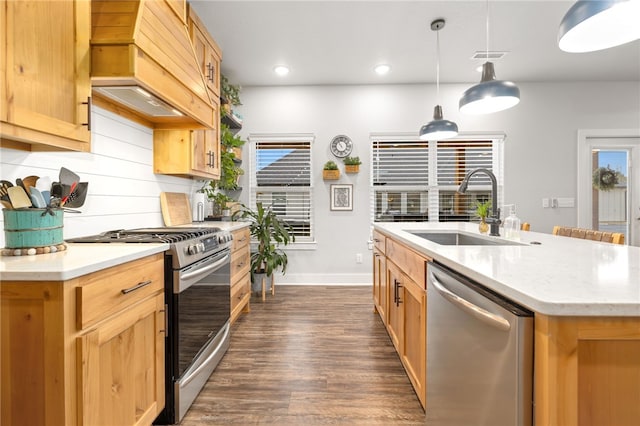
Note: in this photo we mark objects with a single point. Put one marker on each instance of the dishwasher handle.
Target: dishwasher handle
(487, 317)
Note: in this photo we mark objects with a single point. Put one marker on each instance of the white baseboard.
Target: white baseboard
(324, 279)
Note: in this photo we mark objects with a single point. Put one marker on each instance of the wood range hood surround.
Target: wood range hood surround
(143, 64)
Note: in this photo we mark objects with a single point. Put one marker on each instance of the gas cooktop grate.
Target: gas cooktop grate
(149, 235)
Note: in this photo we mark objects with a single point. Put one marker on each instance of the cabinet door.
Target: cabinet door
(414, 348)
(190, 153)
(207, 53)
(380, 284)
(46, 73)
(396, 306)
(122, 369)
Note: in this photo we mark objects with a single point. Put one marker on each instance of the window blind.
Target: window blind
(414, 180)
(282, 180)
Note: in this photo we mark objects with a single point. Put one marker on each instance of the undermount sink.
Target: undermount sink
(461, 239)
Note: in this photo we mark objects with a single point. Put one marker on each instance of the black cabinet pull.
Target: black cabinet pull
(88, 104)
(396, 292)
(211, 72)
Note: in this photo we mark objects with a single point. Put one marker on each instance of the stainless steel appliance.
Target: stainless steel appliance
(479, 354)
(197, 293)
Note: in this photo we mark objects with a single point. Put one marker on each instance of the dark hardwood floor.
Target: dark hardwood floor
(314, 355)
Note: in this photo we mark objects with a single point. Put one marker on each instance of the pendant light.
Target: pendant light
(490, 95)
(439, 128)
(595, 25)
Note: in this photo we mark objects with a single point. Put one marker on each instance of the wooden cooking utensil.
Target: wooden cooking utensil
(19, 198)
(28, 182)
(4, 186)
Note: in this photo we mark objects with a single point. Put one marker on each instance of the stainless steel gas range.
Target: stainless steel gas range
(197, 293)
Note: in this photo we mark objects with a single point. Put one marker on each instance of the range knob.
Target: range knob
(224, 238)
(192, 249)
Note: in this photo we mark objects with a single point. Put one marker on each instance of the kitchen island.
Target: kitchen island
(586, 300)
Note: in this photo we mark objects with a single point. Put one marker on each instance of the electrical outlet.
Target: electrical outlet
(358, 257)
(545, 203)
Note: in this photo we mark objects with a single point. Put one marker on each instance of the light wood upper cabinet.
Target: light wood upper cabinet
(188, 153)
(194, 153)
(44, 73)
(207, 52)
(82, 351)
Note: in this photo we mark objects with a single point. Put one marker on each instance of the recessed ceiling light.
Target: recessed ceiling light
(281, 70)
(382, 69)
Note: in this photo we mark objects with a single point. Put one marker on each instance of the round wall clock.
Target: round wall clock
(341, 146)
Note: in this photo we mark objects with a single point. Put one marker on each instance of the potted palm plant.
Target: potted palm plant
(269, 232)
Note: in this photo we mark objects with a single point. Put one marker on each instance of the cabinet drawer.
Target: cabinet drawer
(240, 264)
(241, 239)
(379, 241)
(410, 262)
(108, 291)
(240, 290)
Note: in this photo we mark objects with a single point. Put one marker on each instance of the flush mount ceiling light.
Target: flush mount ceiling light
(281, 70)
(439, 128)
(490, 95)
(595, 25)
(382, 69)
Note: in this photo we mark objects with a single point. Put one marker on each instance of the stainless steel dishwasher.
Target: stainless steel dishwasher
(479, 354)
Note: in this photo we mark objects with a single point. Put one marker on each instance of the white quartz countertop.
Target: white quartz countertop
(82, 258)
(77, 260)
(561, 276)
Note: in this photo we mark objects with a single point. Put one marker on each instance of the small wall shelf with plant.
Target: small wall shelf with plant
(230, 98)
(330, 171)
(352, 164)
(230, 171)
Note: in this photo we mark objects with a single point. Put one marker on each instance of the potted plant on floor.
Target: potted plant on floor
(269, 232)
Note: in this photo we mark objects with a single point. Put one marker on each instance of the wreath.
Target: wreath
(604, 178)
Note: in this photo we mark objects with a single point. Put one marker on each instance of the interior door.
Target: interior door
(609, 184)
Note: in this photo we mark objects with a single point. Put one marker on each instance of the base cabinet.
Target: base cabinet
(401, 272)
(380, 294)
(240, 273)
(82, 352)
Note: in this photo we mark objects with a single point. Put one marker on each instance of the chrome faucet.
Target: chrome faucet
(494, 218)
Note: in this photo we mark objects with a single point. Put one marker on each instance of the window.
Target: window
(415, 180)
(282, 179)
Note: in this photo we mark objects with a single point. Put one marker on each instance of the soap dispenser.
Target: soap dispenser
(512, 225)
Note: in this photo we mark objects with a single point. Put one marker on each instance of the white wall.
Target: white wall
(540, 157)
(540, 150)
(123, 190)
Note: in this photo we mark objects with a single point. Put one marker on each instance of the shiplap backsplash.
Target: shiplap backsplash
(123, 193)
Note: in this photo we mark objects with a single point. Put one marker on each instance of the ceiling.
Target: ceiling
(339, 42)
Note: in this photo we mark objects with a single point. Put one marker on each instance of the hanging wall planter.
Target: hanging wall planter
(330, 171)
(352, 164)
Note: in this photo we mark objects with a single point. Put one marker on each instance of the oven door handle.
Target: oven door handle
(201, 272)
